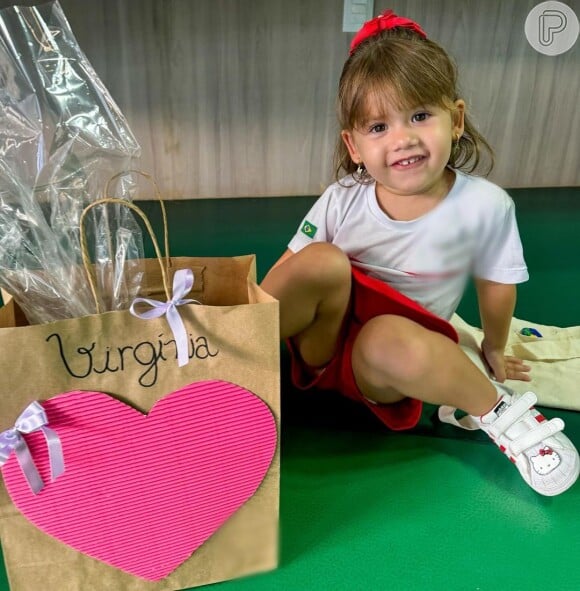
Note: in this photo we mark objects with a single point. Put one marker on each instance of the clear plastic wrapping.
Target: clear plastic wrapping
(62, 138)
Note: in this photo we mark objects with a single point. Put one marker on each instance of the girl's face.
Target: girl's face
(406, 151)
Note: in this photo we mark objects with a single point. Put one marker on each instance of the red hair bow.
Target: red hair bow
(387, 20)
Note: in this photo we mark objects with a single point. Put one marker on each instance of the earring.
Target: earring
(455, 145)
(361, 170)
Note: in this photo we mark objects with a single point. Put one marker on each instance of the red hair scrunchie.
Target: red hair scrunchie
(386, 20)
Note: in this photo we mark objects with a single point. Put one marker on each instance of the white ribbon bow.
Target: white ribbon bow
(182, 284)
(33, 418)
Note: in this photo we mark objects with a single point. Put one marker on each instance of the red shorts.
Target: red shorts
(369, 298)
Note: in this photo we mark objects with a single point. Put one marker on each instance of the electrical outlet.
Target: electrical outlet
(356, 14)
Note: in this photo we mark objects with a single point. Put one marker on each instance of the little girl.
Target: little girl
(379, 264)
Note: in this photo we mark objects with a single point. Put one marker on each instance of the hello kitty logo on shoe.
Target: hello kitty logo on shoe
(546, 461)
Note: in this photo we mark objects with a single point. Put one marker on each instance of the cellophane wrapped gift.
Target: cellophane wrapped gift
(139, 436)
(62, 137)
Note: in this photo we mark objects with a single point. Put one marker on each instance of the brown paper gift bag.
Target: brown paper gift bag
(234, 337)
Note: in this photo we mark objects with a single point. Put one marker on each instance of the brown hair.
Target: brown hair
(419, 72)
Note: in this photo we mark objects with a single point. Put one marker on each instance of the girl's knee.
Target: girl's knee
(391, 347)
(325, 263)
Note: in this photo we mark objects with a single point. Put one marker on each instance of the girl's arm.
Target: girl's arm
(497, 303)
(285, 256)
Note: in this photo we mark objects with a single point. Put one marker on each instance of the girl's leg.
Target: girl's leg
(313, 288)
(395, 357)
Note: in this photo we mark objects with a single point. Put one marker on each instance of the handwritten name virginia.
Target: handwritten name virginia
(81, 362)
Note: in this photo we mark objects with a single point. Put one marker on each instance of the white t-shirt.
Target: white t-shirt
(472, 232)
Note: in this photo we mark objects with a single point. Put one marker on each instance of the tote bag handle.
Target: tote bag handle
(141, 214)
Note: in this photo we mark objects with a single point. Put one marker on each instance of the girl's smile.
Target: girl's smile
(408, 163)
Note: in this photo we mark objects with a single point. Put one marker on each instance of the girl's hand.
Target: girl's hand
(503, 366)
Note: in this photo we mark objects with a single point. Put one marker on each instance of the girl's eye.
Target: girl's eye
(420, 117)
(378, 128)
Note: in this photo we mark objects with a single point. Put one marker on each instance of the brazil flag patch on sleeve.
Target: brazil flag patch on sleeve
(309, 229)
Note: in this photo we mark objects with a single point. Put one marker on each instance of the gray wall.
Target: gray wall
(236, 97)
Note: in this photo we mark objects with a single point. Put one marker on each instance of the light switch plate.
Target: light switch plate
(356, 14)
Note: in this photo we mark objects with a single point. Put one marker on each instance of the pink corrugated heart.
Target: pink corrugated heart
(143, 492)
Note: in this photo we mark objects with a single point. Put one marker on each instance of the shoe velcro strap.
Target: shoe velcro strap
(536, 435)
(519, 407)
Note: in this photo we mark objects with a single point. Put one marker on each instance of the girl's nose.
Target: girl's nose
(404, 138)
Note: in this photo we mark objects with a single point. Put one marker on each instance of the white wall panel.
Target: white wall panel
(236, 97)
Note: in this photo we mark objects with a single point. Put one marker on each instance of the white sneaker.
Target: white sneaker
(544, 456)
